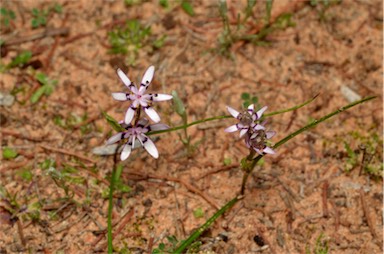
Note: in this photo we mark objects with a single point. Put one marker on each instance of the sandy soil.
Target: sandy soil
(310, 196)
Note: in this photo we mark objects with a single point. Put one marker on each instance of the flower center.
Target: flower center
(246, 118)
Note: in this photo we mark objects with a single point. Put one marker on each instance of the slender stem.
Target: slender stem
(110, 202)
(110, 208)
(294, 134)
(185, 126)
(206, 225)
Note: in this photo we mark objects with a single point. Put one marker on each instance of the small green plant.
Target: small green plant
(248, 100)
(168, 247)
(6, 17)
(322, 6)
(47, 86)
(188, 8)
(240, 32)
(198, 213)
(20, 60)
(128, 40)
(9, 153)
(321, 246)
(39, 18)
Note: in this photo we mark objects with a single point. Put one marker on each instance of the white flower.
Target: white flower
(257, 140)
(139, 97)
(247, 120)
(136, 138)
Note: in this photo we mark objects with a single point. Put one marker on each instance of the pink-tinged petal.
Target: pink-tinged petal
(258, 127)
(269, 150)
(126, 152)
(143, 122)
(120, 96)
(129, 115)
(124, 78)
(231, 128)
(152, 114)
(161, 97)
(137, 144)
(270, 134)
(158, 127)
(233, 112)
(151, 148)
(261, 111)
(251, 107)
(242, 132)
(115, 138)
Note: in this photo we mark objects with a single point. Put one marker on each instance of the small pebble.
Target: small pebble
(6, 99)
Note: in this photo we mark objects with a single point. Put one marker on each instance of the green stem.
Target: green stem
(205, 226)
(110, 202)
(110, 208)
(294, 134)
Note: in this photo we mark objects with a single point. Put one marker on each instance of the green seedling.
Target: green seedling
(230, 35)
(26, 174)
(248, 100)
(6, 17)
(164, 3)
(227, 161)
(321, 246)
(198, 213)
(39, 18)
(168, 247)
(322, 6)
(47, 86)
(9, 153)
(20, 60)
(188, 8)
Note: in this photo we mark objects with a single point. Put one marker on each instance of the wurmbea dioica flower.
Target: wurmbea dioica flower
(139, 97)
(136, 137)
(247, 120)
(256, 137)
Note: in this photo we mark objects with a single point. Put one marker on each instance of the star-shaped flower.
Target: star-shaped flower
(139, 97)
(136, 137)
(257, 139)
(247, 120)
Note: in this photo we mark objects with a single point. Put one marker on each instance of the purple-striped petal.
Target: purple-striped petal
(147, 79)
(158, 127)
(129, 115)
(161, 97)
(261, 111)
(231, 128)
(120, 96)
(270, 134)
(269, 150)
(115, 138)
(242, 132)
(233, 112)
(151, 148)
(124, 78)
(126, 152)
(251, 107)
(152, 114)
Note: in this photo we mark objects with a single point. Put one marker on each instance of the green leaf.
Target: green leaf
(113, 123)
(198, 213)
(245, 96)
(227, 161)
(42, 78)
(26, 174)
(20, 59)
(37, 95)
(164, 3)
(178, 104)
(9, 153)
(188, 8)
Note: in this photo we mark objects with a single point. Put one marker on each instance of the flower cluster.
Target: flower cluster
(249, 125)
(135, 127)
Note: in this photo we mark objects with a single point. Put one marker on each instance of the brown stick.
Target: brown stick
(21, 136)
(324, 199)
(49, 32)
(63, 151)
(21, 234)
(217, 170)
(367, 215)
